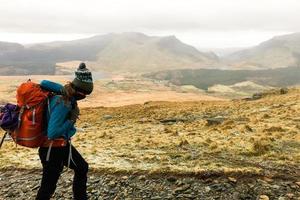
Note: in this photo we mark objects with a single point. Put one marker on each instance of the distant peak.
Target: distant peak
(171, 37)
(133, 33)
(289, 36)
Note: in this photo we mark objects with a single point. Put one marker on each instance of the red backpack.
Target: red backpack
(32, 101)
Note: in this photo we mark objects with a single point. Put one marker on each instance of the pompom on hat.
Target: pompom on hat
(83, 81)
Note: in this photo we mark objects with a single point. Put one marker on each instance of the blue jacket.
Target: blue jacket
(58, 123)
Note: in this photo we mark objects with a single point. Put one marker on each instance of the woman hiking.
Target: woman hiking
(58, 151)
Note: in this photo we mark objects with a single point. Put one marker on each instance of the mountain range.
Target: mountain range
(133, 52)
(139, 53)
(280, 51)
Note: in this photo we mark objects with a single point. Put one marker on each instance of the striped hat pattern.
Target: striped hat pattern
(83, 80)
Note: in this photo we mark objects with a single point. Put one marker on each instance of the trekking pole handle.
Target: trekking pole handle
(2, 140)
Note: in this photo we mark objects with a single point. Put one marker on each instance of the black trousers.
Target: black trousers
(53, 168)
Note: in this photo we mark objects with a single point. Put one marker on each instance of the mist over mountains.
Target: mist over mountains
(133, 52)
(137, 52)
(275, 62)
(280, 51)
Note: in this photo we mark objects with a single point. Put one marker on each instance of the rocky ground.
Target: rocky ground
(23, 185)
(239, 149)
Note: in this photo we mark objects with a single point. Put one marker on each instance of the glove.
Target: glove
(74, 114)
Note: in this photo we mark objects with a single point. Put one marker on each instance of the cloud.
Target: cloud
(93, 16)
(204, 23)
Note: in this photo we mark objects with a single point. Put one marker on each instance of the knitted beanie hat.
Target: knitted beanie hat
(83, 81)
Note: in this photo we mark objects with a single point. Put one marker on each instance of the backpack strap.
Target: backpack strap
(19, 122)
(48, 105)
(20, 116)
(70, 158)
(49, 151)
(33, 116)
(70, 155)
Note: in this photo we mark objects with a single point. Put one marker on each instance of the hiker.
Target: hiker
(58, 151)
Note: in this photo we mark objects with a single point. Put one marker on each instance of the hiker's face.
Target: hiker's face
(79, 95)
(72, 93)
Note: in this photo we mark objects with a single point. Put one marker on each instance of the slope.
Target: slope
(280, 51)
(127, 52)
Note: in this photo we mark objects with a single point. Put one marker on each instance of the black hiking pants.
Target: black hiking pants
(53, 168)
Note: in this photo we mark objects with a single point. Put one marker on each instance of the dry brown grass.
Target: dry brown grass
(133, 138)
(111, 92)
(261, 146)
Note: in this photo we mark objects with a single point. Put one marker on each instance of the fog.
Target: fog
(213, 23)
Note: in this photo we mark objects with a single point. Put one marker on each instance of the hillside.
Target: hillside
(205, 78)
(6, 47)
(226, 149)
(135, 52)
(129, 52)
(238, 90)
(112, 91)
(280, 51)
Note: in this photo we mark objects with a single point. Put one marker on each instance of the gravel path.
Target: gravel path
(23, 184)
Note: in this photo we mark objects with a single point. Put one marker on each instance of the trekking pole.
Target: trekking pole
(2, 140)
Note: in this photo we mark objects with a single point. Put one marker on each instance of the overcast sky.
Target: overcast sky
(202, 23)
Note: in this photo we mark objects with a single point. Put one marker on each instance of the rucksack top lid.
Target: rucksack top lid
(30, 94)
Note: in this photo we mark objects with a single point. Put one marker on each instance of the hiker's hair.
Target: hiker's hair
(69, 92)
